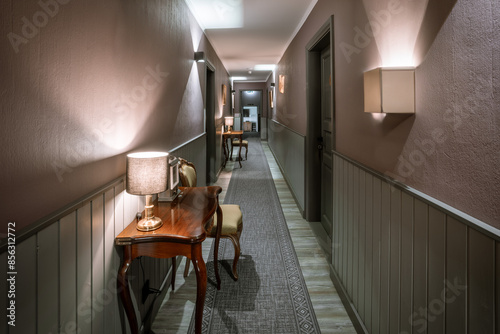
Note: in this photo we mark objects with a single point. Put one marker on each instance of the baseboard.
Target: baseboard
(324, 241)
(301, 209)
(349, 307)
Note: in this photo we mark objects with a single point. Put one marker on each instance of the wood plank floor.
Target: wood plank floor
(177, 308)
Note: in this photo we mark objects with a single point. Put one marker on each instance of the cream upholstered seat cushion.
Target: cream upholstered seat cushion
(237, 142)
(232, 217)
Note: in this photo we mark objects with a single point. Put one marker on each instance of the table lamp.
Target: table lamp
(229, 123)
(147, 175)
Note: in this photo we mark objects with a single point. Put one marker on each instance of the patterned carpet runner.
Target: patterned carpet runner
(270, 295)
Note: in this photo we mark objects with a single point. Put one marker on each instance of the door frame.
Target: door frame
(210, 98)
(322, 39)
(259, 107)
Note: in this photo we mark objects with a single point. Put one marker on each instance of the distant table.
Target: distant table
(186, 221)
(231, 135)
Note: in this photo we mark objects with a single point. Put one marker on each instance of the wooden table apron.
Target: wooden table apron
(186, 221)
(231, 135)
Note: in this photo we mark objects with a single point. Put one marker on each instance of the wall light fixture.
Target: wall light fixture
(199, 56)
(390, 90)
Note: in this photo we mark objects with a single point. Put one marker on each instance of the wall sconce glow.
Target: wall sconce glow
(264, 67)
(281, 84)
(199, 56)
(390, 90)
(224, 94)
(378, 116)
(196, 32)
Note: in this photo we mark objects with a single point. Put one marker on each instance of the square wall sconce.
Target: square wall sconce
(199, 56)
(390, 90)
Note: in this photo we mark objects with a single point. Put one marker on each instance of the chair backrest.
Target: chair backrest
(187, 173)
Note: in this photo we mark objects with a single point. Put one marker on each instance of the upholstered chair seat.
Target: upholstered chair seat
(232, 218)
(236, 142)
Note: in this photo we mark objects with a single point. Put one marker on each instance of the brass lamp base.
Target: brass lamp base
(151, 224)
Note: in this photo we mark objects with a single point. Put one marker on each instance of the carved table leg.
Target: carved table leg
(225, 152)
(124, 290)
(239, 151)
(201, 284)
(174, 268)
(217, 242)
(230, 149)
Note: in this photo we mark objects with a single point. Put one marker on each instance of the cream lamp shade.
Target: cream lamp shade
(147, 175)
(229, 122)
(389, 90)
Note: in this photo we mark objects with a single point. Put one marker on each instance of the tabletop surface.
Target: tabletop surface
(235, 133)
(183, 219)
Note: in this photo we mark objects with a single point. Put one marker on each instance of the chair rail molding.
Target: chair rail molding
(404, 262)
(67, 264)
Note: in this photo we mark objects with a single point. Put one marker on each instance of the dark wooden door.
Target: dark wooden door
(325, 143)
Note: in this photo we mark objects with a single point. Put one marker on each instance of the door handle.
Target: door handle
(320, 147)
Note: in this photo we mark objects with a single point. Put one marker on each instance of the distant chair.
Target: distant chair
(236, 142)
(232, 218)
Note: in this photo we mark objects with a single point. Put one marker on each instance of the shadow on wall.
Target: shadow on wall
(392, 121)
(395, 130)
(435, 16)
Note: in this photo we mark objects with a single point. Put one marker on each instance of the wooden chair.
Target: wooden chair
(232, 218)
(236, 142)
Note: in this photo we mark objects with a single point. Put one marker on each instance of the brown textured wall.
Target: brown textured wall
(84, 82)
(450, 148)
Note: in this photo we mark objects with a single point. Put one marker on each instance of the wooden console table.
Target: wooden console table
(231, 135)
(186, 221)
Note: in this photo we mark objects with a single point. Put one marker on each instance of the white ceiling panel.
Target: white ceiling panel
(246, 33)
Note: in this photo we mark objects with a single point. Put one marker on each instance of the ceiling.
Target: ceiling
(249, 33)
